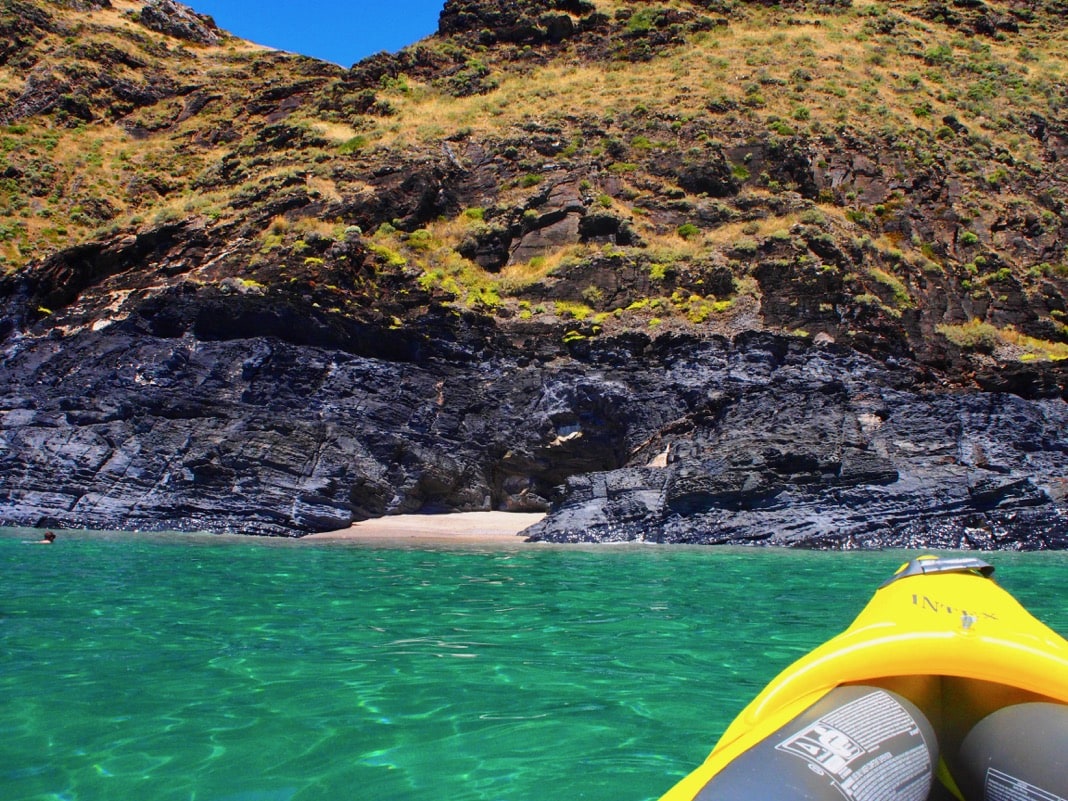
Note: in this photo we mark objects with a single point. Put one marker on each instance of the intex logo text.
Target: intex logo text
(934, 605)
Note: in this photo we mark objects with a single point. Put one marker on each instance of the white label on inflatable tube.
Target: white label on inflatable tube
(871, 749)
(1003, 787)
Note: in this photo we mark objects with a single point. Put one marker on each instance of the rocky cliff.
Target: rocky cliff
(690, 272)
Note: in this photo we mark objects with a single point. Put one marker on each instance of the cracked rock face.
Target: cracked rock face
(762, 440)
(804, 447)
(934, 472)
(179, 21)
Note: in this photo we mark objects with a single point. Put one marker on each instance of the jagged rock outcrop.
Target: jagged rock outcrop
(515, 21)
(179, 21)
(762, 440)
(805, 447)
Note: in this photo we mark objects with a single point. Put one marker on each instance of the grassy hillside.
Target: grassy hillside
(886, 175)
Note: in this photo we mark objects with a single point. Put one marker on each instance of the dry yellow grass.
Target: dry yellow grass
(324, 187)
(516, 276)
(751, 63)
(873, 81)
(730, 233)
(1006, 342)
(336, 132)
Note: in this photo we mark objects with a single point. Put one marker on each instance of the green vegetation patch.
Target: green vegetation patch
(896, 286)
(972, 335)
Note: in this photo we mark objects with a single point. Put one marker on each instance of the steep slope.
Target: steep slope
(204, 236)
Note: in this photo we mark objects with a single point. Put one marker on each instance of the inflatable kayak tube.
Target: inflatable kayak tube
(943, 687)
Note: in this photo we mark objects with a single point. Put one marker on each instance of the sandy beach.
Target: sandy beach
(461, 528)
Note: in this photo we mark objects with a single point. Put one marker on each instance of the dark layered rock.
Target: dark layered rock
(514, 20)
(181, 22)
(790, 462)
(259, 435)
(21, 25)
(191, 415)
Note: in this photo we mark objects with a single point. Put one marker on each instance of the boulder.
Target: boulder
(181, 22)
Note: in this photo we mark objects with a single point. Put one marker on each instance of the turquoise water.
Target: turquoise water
(221, 669)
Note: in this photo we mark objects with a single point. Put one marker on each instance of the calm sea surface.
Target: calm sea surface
(226, 669)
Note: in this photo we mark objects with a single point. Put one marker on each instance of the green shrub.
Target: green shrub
(573, 336)
(388, 255)
(973, 335)
(420, 239)
(593, 294)
(353, 145)
(745, 247)
(939, 55)
(688, 230)
(642, 22)
(894, 284)
(579, 311)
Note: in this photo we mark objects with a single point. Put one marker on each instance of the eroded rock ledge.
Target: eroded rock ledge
(760, 439)
(807, 455)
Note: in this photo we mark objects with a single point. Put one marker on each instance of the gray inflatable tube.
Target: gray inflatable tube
(864, 743)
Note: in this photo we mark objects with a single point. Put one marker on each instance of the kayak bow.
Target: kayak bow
(940, 659)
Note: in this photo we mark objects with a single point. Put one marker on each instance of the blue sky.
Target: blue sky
(333, 30)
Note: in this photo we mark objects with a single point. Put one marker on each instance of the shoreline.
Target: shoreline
(462, 528)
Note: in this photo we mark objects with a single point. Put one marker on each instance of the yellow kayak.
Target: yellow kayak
(943, 687)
